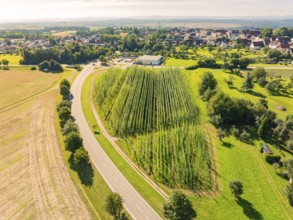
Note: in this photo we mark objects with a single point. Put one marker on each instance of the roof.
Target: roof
(258, 44)
(266, 149)
(150, 58)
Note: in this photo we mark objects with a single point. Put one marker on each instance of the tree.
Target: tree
(208, 81)
(81, 157)
(289, 193)
(263, 128)
(274, 87)
(73, 141)
(248, 83)
(221, 134)
(274, 54)
(244, 136)
(55, 66)
(114, 204)
(5, 62)
(179, 207)
(64, 114)
(44, 65)
(259, 73)
(236, 188)
(244, 62)
(226, 66)
(102, 59)
(65, 82)
(267, 32)
(64, 91)
(70, 126)
(64, 103)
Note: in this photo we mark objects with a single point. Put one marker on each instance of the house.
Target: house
(283, 47)
(266, 149)
(149, 60)
(274, 44)
(257, 45)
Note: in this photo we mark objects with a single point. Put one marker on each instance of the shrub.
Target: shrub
(272, 159)
(34, 68)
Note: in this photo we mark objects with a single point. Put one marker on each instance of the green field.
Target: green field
(172, 62)
(13, 59)
(143, 188)
(263, 196)
(153, 110)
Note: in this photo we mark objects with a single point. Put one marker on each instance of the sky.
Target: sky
(31, 9)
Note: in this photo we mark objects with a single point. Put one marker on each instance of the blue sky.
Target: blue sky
(27, 9)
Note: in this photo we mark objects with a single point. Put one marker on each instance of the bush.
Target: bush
(65, 92)
(272, 159)
(34, 68)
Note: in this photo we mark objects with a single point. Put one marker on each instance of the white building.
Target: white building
(149, 60)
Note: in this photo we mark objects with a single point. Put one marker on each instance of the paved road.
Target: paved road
(135, 205)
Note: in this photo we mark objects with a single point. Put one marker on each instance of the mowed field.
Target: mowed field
(17, 84)
(35, 182)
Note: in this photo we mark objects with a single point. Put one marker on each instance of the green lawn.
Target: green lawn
(179, 62)
(263, 196)
(149, 194)
(258, 92)
(13, 59)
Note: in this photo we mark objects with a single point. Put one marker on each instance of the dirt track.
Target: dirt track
(35, 183)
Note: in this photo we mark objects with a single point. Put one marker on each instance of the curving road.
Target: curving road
(135, 205)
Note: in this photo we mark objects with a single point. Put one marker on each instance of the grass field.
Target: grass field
(172, 62)
(19, 84)
(263, 196)
(13, 59)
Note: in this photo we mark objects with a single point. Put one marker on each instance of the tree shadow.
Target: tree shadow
(251, 92)
(248, 209)
(85, 172)
(227, 144)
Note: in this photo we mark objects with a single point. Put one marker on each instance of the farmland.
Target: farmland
(14, 82)
(156, 125)
(35, 183)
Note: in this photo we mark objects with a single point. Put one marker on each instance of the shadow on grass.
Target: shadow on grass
(85, 173)
(248, 209)
(251, 92)
(227, 144)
